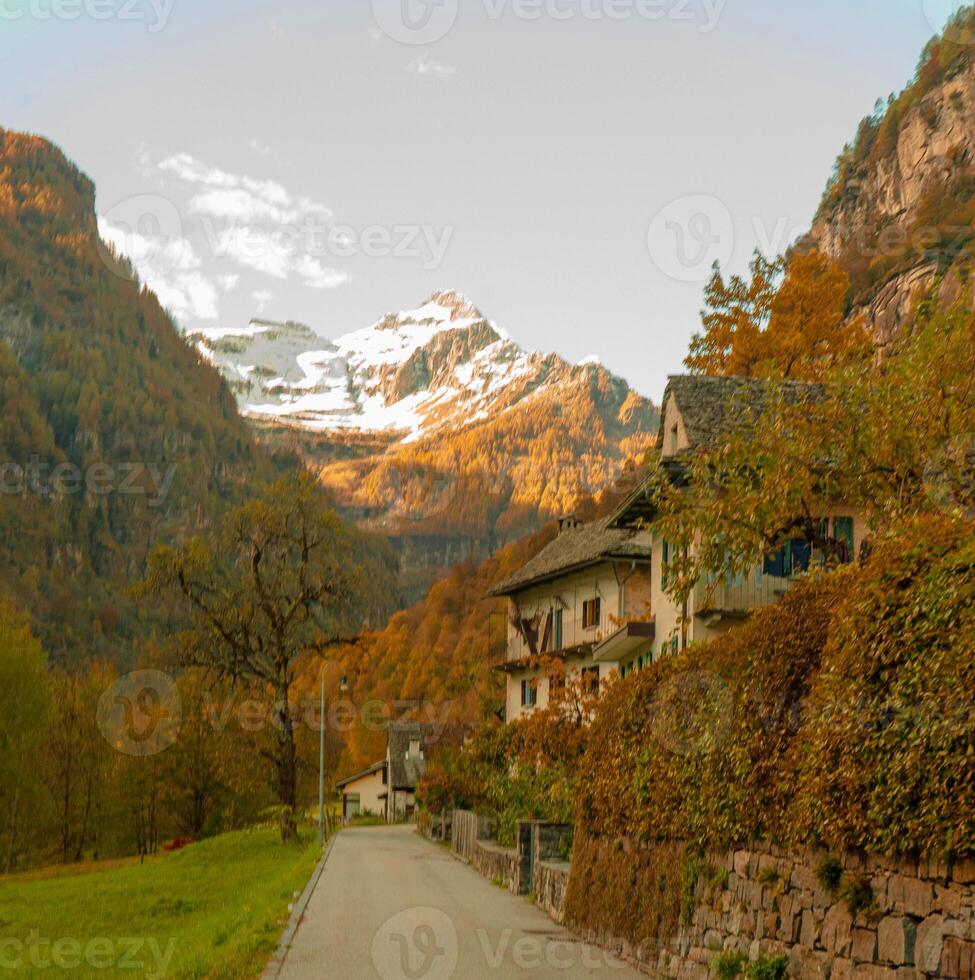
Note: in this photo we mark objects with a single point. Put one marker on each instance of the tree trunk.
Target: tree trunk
(287, 769)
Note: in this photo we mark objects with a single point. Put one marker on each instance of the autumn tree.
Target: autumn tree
(24, 707)
(284, 577)
(894, 442)
(787, 320)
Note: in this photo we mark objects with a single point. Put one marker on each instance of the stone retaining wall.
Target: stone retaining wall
(764, 900)
(550, 881)
(472, 837)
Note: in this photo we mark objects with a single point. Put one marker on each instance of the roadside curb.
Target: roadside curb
(274, 968)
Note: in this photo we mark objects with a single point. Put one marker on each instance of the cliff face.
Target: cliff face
(898, 214)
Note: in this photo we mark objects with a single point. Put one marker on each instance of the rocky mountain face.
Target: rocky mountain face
(898, 214)
(434, 427)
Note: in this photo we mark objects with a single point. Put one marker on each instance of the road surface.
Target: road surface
(392, 906)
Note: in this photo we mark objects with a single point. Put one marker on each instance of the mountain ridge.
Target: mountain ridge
(435, 427)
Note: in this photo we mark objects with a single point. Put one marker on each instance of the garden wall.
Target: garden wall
(915, 918)
(472, 837)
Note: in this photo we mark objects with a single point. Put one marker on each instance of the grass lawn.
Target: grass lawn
(215, 909)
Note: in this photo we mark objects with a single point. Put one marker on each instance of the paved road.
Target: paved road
(391, 905)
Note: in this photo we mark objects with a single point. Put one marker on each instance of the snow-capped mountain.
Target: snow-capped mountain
(410, 374)
(434, 427)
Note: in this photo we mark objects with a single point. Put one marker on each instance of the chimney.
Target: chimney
(568, 523)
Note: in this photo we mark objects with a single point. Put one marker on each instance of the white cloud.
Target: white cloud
(424, 65)
(257, 224)
(169, 267)
(228, 281)
(262, 297)
(318, 276)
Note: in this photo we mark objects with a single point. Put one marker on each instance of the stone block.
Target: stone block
(947, 899)
(741, 859)
(807, 930)
(911, 895)
(807, 964)
(842, 969)
(957, 959)
(896, 936)
(837, 930)
(964, 871)
(929, 944)
(864, 944)
(804, 877)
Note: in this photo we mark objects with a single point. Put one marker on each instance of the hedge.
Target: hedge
(840, 716)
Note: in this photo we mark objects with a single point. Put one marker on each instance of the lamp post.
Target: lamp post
(343, 686)
(321, 765)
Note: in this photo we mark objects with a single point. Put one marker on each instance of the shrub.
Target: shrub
(769, 968)
(886, 763)
(729, 965)
(829, 873)
(699, 747)
(857, 894)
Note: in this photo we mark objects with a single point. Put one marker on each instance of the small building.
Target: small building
(387, 789)
(364, 794)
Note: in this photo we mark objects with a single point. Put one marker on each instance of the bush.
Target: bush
(729, 965)
(887, 764)
(769, 968)
(829, 873)
(700, 747)
(841, 716)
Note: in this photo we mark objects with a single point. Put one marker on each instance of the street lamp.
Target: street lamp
(343, 687)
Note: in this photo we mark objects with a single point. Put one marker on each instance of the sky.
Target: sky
(573, 166)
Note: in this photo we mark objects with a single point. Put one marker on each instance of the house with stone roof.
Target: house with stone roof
(697, 414)
(595, 599)
(387, 789)
(579, 609)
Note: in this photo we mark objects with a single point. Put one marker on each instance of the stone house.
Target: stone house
(387, 789)
(596, 597)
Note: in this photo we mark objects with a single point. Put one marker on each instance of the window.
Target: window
(414, 752)
(351, 803)
(844, 534)
(673, 440)
(529, 694)
(557, 631)
(675, 644)
(640, 662)
(591, 614)
(590, 679)
(664, 648)
(664, 570)
(556, 682)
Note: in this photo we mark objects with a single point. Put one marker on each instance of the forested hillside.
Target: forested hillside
(114, 436)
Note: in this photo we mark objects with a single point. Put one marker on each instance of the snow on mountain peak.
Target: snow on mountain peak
(411, 373)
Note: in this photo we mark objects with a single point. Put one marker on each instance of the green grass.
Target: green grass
(216, 909)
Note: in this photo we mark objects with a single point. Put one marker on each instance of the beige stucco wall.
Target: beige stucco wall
(623, 589)
(369, 789)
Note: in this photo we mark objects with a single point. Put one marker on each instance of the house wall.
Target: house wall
(672, 418)
(754, 590)
(369, 789)
(624, 589)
